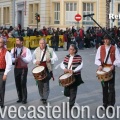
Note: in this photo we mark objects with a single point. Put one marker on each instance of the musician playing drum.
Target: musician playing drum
(108, 55)
(44, 56)
(72, 63)
(21, 56)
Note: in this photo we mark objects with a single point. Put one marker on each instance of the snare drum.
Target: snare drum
(105, 74)
(66, 79)
(39, 73)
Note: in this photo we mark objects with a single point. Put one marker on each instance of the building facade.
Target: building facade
(115, 9)
(55, 13)
(5, 13)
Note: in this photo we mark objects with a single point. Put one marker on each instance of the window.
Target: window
(88, 8)
(0, 16)
(119, 8)
(56, 13)
(118, 13)
(70, 12)
(31, 13)
(33, 8)
(6, 15)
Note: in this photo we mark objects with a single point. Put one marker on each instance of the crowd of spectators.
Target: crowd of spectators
(92, 37)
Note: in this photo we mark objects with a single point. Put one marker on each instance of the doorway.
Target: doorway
(20, 19)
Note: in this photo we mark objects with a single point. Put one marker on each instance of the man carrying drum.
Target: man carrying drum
(108, 55)
(73, 64)
(44, 56)
(21, 56)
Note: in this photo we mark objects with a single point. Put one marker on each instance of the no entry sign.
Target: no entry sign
(78, 17)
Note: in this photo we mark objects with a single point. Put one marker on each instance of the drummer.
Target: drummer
(44, 56)
(113, 60)
(73, 64)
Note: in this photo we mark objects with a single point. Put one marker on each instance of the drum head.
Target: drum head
(65, 76)
(38, 69)
(105, 69)
(100, 72)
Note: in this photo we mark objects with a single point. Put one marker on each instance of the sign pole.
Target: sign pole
(37, 25)
(78, 25)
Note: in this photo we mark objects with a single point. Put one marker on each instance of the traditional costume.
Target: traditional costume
(5, 67)
(43, 56)
(112, 59)
(21, 71)
(74, 63)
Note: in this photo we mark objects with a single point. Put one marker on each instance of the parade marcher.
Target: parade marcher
(44, 56)
(5, 67)
(72, 63)
(108, 55)
(21, 56)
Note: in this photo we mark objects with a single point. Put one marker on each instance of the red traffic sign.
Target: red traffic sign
(78, 17)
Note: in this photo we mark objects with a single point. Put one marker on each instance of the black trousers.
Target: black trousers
(2, 88)
(21, 81)
(71, 91)
(56, 46)
(109, 91)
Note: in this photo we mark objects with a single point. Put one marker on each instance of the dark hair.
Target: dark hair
(107, 37)
(21, 39)
(74, 46)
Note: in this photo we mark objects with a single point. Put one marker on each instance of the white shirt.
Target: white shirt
(26, 59)
(79, 67)
(117, 57)
(53, 59)
(8, 60)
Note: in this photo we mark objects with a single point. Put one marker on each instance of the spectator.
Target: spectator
(65, 39)
(56, 40)
(81, 45)
(30, 31)
(44, 31)
(5, 37)
(15, 32)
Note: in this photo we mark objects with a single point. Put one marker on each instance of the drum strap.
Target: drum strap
(70, 66)
(107, 56)
(44, 54)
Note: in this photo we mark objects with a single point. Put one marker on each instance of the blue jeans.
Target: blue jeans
(81, 45)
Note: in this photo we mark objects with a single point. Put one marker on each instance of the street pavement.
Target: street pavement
(89, 93)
